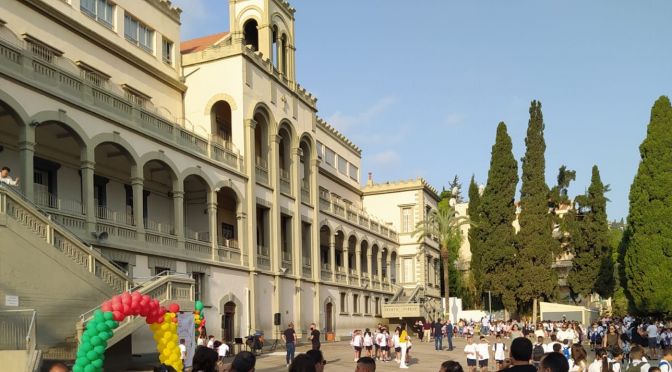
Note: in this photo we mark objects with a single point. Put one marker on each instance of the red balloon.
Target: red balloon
(174, 308)
(126, 310)
(146, 298)
(159, 319)
(107, 306)
(118, 316)
(174, 320)
(117, 306)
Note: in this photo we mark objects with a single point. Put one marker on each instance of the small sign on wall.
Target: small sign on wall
(11, 301)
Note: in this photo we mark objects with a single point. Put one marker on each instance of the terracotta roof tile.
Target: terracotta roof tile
(200, 43)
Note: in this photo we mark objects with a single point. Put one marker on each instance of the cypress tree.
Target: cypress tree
(592, 267)
(536, 247)
(474, 268)
(648, 238)
(497, 213)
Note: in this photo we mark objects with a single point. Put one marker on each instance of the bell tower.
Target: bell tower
(266, 26)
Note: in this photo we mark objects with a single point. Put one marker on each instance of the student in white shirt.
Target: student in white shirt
(470, 351)
(222, 351)
(183, 350)
(211, 342)
(637, 359)
(483, 354)
(500, 352)
(600, 360)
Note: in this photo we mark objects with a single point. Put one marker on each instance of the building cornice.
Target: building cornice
(166, 7)
(60, 18)
(407, 185)
(338, 136)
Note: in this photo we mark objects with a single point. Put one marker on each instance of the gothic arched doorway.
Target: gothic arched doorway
(329, 317)
(228, 321)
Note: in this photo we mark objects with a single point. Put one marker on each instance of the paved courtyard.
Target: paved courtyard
(339, 356)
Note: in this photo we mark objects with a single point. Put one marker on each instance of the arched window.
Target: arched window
(283, 54)
(251, 34)
(274, 49)
(220, 117)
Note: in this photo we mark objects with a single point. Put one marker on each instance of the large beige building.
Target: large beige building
(140, 154)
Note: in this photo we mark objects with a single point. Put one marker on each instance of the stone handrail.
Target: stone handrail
(15, 206)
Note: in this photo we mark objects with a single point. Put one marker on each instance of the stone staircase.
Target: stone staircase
(59, 277)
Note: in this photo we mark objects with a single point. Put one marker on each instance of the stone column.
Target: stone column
(274, 214)
(137, 184)
(87, 169)
(332, 255)
(26, 179)
(251, 200)
(178, 212)
(379, 267)
(212, 220)
(358, 263)
(346, 260)
(389, 267)
(250, 223)
(368, 267)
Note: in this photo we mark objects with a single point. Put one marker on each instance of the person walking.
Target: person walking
(314, 336)
(449, 334)
(471, 351)
(437, 331)
(403, 342)
(426, 330)
(289, 338)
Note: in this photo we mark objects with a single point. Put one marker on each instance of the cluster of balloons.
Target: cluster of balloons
(199, 317)
(165, 335)
(91, 352)
(127, 304)
(162, 321)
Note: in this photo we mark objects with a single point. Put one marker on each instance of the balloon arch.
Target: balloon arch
(162, 322)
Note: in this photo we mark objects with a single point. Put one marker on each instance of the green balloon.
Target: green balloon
(85, 347)
(95, 341)
(97, 363)
(81, 361)
(112, 324)
(105, 335)
(92, 355)
(77, 368)
(199, 305)
(90, 368)
(100, 349)
(98, 315)
(102, 327)
(108, 315)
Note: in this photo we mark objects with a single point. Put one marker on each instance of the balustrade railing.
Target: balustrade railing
(38, 64)
(354, 215)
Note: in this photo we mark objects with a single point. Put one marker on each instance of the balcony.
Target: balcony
(228, 251)
(261, 170)
(63, 78)
(305, 191)
(307, 268)
(354, 215)
(263, 258)
(285, 183)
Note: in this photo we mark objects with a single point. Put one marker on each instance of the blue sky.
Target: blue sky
(421, 85)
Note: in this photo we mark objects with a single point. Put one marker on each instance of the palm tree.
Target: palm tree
(444, 225)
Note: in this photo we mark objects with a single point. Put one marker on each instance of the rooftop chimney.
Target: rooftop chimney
(370, 181)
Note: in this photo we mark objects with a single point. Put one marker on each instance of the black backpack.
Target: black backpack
(538, 352)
